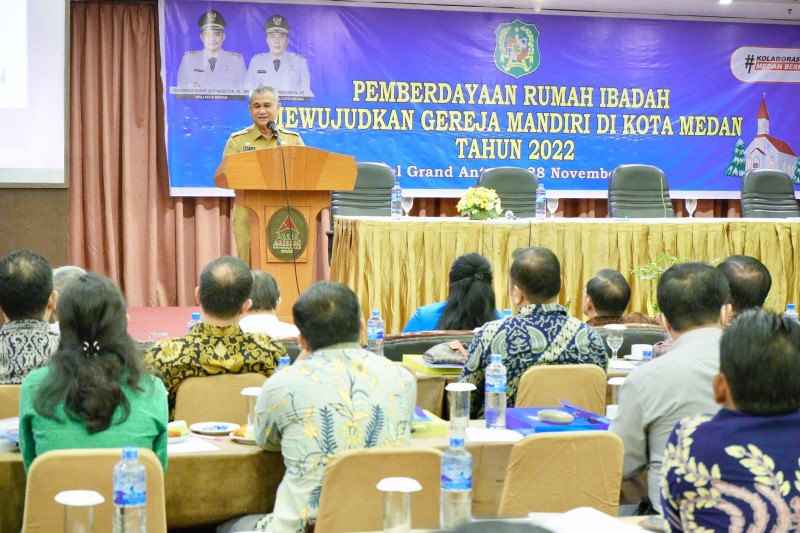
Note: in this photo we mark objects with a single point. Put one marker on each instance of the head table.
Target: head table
(397, 265)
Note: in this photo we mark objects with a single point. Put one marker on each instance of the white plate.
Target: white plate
(632, 357)
(213, 428)
(242, 440)
(176, 440)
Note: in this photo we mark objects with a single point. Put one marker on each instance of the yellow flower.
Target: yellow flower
(352, 433)
(310, 430)
(358, 368)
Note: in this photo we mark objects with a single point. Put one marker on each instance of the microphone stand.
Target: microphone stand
(274, 129)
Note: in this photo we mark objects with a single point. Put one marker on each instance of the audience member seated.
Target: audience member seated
(656, 395)
(740, 466)
(95, 391)
(216, 345)
(262, 317)
(337, 397)
(62, 276)
(541, 333)
(749, 282)
(27, 299)
(470, 302)
(606, 297)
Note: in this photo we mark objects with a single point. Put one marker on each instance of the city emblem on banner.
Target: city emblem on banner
(287, 234)
(516, 50)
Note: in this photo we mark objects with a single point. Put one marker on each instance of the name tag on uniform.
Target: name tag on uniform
(261, 71)
(248, 148)
(199, 70)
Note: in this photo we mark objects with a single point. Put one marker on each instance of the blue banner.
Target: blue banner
(439, 95)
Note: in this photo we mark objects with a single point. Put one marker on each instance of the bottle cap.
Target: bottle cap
(790, 307)
(130, 453)
(496, 358)
(456, 441)
(195, 316)
(376, 313)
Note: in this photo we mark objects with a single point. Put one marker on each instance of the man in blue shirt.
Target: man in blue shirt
(740, 466)
(541, 333)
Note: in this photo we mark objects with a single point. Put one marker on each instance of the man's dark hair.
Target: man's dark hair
(225, 286)
(326, 314)
(265, 292)
(537, 272)
(610, 292)
(748, 279)
(691, 295)
(760, 359)
(26, 282)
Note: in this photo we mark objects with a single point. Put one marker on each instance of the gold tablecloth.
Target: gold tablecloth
(398, 265)
(200, 488)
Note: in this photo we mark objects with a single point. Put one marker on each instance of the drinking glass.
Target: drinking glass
(614, 338)
(552, 205)
(157, 336)
(79, 509)
(459, 406)
(397, 503)
(691, 205)
(252, 395)
(408, 203)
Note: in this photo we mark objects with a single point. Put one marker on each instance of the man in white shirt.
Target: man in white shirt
(693, 298)
(262, 316)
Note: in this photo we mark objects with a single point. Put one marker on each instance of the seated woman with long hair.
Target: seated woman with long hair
(94, 391)
(470, 303)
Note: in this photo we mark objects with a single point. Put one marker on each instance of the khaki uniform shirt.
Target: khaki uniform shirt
(195, 71)
(251, 138)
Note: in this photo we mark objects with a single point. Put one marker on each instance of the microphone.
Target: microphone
(274, 129)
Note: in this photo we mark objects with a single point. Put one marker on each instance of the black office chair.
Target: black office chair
(371, 195)
(768, 193)
(639, 191)
(515, 186)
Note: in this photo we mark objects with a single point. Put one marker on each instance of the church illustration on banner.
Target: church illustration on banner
(765, 151)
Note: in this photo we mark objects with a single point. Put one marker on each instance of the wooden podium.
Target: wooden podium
(283, 241)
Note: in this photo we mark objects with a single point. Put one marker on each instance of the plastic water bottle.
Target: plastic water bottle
(375, 328)
(541, 201)
(130, 493)
(647, 355)
(284, 361)
(194, 320)
(456, 504)
(790, 313)
(496, 393)
(397, 200)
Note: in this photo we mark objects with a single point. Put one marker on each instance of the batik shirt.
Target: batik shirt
(539, 334)
(25, 345)
(341, 398)
(733, 472)
(210, 350)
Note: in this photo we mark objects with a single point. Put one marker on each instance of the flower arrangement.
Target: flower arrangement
(479, 203)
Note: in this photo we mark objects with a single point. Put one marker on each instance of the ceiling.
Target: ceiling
(757, 10)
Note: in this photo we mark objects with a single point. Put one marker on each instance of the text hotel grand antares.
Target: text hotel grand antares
(495, 109)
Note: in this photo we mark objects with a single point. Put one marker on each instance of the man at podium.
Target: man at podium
(264, 109)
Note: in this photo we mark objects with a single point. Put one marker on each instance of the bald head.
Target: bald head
(225, 286)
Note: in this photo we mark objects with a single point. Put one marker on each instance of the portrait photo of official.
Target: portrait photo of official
(286, 71)
(212, 67)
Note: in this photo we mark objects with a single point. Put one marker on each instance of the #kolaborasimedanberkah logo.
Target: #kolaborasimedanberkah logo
(517, 48)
